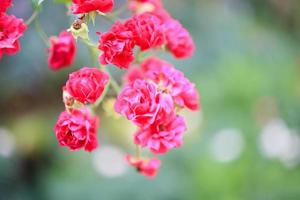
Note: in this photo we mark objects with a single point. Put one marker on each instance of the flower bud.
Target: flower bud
(70, 102)
(79, 29)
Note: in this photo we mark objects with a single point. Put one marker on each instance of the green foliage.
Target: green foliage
(63, 1)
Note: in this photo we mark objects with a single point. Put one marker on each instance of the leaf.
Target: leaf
(40, 2)
(63, 1)
(37, 4)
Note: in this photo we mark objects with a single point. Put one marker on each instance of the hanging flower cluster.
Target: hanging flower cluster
(11, 30)
(153, 90)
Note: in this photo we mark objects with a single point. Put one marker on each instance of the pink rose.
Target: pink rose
(139, 102)
(77, 130)
(169, 81)
(4, 5)
(85, 6)
(87, 84)
(11, 29)
(172, 81)
(147, 167)
(62, 51)
(179, 40)
(147, 29)
(162, 135)
(117, 46)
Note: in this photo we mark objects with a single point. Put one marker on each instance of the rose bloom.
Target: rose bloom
(169, 80)
(173, 82)
(179, 40)
(147, 29)
(4, 5)
(139, 102)
(164, 134)
(11, 29)
(147, 167)
(154, 7)
(62, 51)
(77, 130)
(85, 6)
(87, 84)
(117, 46)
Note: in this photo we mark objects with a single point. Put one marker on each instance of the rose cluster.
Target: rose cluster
(11, 30)
(77, 126)
(150, 27)
(154, 91)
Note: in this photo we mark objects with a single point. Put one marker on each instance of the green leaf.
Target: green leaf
(40, 2)
(63, 1)
(37, 4)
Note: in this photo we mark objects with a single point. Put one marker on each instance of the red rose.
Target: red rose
(87, 84)
(147, 29)
(147, 167)
(77, 130)
(179, 40)
(164, 134)
(85, 6)
(62, 51)
(139, 102)
(117, 46)
(4, 5)
(11, 29)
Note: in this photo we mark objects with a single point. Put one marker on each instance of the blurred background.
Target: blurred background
(244, 144)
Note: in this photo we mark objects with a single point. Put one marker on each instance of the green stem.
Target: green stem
(112, 82)
(114, 85)
(41, 33)
(32, 17)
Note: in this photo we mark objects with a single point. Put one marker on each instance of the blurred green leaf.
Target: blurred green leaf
(63, 1)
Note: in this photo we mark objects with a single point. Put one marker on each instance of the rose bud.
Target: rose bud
(147, 167)
(62, 51)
